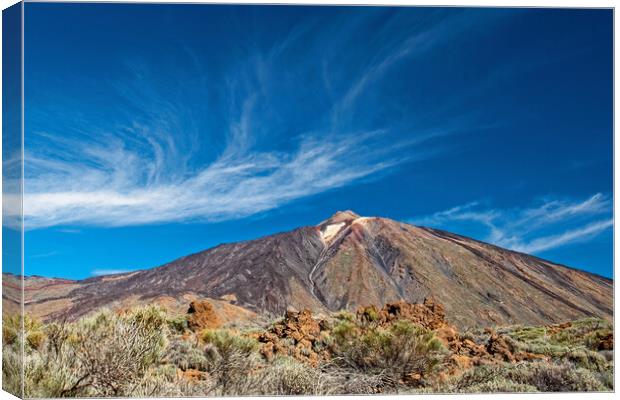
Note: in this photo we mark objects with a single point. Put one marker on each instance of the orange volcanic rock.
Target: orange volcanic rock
(201, 315)
(429, 315)
(300, 335)
(294, 336)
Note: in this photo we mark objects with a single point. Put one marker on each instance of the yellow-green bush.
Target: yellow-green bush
(286, 376)
(186, 355)
(103, 355)
(177, 323)
(399, 351)
(231, 358)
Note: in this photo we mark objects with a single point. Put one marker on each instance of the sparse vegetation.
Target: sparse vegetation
(402, 352)
(145, 352)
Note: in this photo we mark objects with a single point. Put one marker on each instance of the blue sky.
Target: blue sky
(154, 131)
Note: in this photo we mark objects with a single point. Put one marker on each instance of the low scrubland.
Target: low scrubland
(145, 352)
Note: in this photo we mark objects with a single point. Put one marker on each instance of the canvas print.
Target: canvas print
(230, 200)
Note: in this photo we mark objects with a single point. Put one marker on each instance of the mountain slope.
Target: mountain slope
(348, 261)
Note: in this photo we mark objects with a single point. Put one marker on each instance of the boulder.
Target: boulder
(202, 315)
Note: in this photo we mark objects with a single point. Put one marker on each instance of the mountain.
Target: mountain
(344, 262)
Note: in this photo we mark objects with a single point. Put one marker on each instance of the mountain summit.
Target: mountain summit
(340, 217)
(345, 262)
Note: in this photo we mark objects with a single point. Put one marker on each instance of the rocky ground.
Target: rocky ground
(398, 348)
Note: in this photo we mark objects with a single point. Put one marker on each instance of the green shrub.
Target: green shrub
(549, 377)
(226, 342)
(12, 369)
(586, 332)
(587, 359)
(526, 377)
(370, 314)
(35, 339)
(400, 351)
(12, 327)
(105, 355)
(344, 315)
(231, 359)
(177, 324)
(9, 334)
(502, 385)
(186, 355)
(344, 331)
(287, 376)
(474, 380)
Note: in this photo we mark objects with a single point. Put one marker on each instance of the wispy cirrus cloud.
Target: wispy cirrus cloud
(549, 224)
(112, 193)
(188, 147)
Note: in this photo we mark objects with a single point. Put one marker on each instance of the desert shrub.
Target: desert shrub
(186, 355)
(105, 355)
(159, 381)
(587, 359)
(528, 333)
(501, 385)
(225, 341)
(163, 381)
(17, 360)
(538, 346)
(478, 336)
(344, 315)
(9, 331)
(12, 368)
(344, 331)
(287, 376)
(35, 339)
(608, 355)
(398, 352)
(525, 377)
(371, 314)
(587, 332)
(607, 378)
(129, 355)
(12, 328)
(231, 359)
(549, 377)
(534, 340)
(343, 380)
(592, 339)
(473, 380)
(177, 324)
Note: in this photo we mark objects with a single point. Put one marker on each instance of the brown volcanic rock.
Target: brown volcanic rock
(298, 334)
(498, 347)
(350, 261)
(429, 315)
(201, 315)
(607, 342)
(294, 336)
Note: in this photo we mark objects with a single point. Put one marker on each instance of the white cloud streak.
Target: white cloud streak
(109, 190)
(149, 166)
(574, 235)
(527, 229)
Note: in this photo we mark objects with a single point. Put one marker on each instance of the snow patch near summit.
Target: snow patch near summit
(330, 231)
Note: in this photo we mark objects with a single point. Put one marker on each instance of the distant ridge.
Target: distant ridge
(345, 262)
